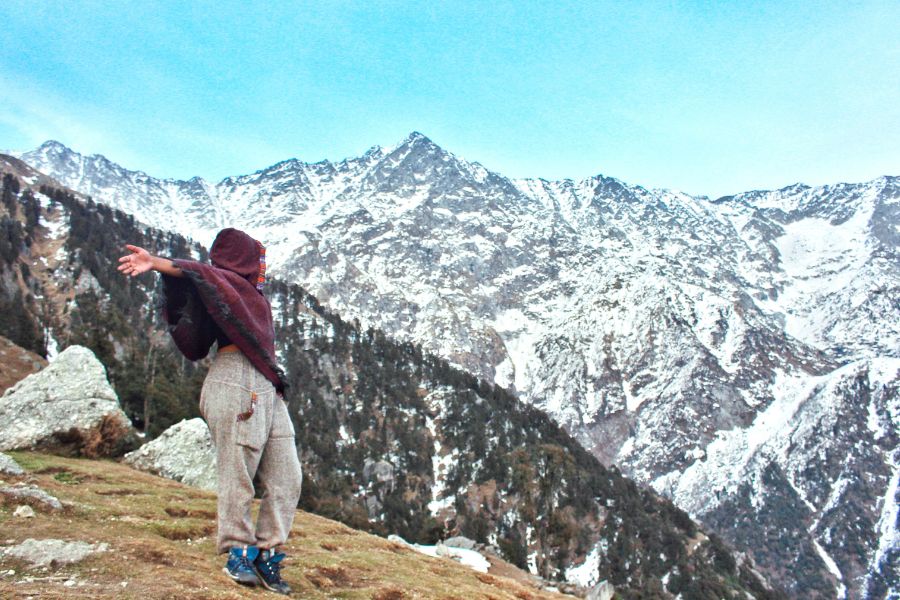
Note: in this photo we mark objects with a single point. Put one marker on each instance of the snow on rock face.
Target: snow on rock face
(441, 460)
(183, 452)
(835, 262)
(67, 404)
(587, 573)
(805, 473)
(660, 329)
(469, 557)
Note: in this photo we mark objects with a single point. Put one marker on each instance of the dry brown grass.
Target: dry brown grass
(161, 545)
(108, 438)
(388, 594)
(16, 363)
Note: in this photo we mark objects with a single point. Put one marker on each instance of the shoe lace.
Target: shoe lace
(240, 563)
(273, 568)
(245, 563)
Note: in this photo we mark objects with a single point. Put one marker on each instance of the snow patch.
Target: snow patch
(587, 573)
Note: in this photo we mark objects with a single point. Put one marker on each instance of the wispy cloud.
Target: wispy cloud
(31, 115)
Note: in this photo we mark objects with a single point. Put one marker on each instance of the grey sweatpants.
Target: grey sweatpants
(261, 443)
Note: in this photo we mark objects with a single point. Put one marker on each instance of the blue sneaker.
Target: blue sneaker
(268, 567)
(240, 564)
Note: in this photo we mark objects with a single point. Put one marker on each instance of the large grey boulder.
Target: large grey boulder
(184, 452)
(68, 406)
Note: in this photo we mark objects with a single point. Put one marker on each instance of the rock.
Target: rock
(373, 506)
(67, 407)
(375, 473)
(184, 452)
(381, 470)
(31, 494)
(460, 541)
(602, 591)
(52, 553)
(393, 537)
(23, 511)
(8, 466)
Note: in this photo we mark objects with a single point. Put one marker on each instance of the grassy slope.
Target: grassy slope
(161, 542)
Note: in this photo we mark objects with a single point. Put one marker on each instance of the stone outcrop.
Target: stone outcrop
(460, 541)
(31, 495)
(68, 407)
(381, 471)
(184, 452)
(602, 591)
(52, 553)
(8, 466)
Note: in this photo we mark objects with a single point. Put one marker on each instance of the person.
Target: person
(242, 398)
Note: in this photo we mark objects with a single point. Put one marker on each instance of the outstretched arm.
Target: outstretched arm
(140, 261)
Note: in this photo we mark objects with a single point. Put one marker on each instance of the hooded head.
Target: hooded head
(236, 251)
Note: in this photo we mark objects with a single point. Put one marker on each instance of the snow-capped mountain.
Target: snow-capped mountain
(392, 439)
(721, 351)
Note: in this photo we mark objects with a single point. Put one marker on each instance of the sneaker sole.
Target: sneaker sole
(263, 583)
(239, 580)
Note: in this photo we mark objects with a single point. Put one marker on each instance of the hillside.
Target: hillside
(157, 534)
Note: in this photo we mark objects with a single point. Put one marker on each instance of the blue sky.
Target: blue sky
(707, 97)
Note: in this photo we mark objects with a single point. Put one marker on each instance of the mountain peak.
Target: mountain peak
(54, 146)
(416, 136)
(418, 140)
(416, 144)
(376, 149)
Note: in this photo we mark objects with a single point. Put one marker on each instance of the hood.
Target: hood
(236, 251)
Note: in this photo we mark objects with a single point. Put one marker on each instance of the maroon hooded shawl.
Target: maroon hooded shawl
(227, 294)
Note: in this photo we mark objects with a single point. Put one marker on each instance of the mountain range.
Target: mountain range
(393, 440)
(739, 355)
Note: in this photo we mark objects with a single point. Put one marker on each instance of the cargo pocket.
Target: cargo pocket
(250, 422)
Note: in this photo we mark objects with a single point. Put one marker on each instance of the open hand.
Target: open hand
(139, 261)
